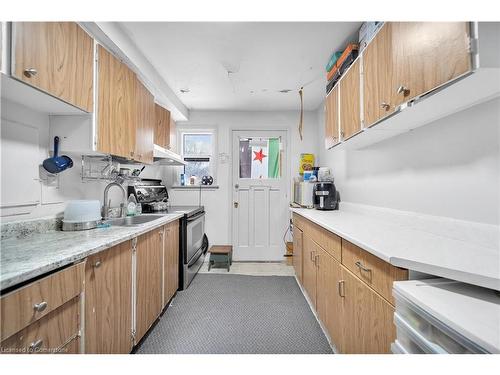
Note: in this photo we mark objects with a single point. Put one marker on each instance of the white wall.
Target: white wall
(448, 168)
(218, 202)
(52, 198)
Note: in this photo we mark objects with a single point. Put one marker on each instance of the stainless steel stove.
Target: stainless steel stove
(193, 244)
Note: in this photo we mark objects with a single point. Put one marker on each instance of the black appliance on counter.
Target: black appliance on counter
(325, 196)
(193, 243)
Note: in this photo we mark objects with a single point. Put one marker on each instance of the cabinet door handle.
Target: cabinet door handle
(39, 307)
(341, 287)
(362, 267)
(161, 233)
(311, 256)
(316, 260)
(36, 345)
(385, 106)
(97, 264)
(403, 90)
(30, 72)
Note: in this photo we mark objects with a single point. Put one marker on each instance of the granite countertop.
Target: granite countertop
(28, 256)
(430, 247)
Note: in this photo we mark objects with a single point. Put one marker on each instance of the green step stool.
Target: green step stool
(221, 254)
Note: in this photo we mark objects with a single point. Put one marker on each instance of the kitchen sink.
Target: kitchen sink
(132, 221)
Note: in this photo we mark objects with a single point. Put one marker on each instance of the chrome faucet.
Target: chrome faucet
(106, 207)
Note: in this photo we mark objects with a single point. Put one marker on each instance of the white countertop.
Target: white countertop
(26, 257)
(468, 253)
(471, 311)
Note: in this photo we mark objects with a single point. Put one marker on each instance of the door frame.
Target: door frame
(286, 167)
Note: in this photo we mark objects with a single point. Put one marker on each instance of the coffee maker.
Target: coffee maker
(325, 196)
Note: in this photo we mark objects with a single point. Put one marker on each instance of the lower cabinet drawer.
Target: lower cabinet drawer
(26, 305)
(375, 272)
(324, 238)
(56, 332)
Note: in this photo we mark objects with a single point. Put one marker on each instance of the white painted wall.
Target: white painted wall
(218, 202)
(448, 168)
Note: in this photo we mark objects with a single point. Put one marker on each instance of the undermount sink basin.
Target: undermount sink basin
(131, 221)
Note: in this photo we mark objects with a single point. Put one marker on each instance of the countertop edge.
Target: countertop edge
(31, 274)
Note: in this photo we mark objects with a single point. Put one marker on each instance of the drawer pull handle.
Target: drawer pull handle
(341, 288)
(385, 106)
(403, 90)
(316, 260)
(39, 307)
(312, 256)
(361, 267)
(36, 345)
(97, 264)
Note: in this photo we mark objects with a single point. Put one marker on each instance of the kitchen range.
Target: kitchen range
(153, 196)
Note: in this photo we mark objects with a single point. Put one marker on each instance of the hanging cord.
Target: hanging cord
(284, 241)
(301, 111)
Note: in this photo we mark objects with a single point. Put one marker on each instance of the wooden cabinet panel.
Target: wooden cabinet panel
(170, 261)
(145, 124)
(116, 106)
(372, 270)
(324, 238)
(162, 127)
(350, 118)
(148, 280)
(62, 55)
(332, 118)
(377, 77)
(299, 222)
(367, 318)
(26, 305)
(297, 252)
(50, 334)
(427, 55)
(108, 301)
(329, 303)
(311, 249)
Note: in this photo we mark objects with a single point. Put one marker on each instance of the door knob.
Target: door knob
(236, 186)
(235, 204)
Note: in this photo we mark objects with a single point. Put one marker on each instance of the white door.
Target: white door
(260, 201)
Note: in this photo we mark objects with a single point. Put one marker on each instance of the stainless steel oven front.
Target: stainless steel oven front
(195, 229)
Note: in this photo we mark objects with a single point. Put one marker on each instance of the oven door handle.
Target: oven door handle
(195, 217)
(195, 258)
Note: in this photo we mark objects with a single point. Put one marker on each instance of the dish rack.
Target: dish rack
(103, 168)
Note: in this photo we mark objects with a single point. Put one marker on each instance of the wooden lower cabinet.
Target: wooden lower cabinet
(149, 254)
(309, 272)
(329, 303)
(297, 252)
(170, 261)
(367, 318)
(108, 301)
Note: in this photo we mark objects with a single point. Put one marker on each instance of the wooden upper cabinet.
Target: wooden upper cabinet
(145, 124)
(377, 77)
(108, 301)
(116, 106)
(162, 127)
(56, 57)
(332, 118)
(368, 326)
(350, 118)
(149, 302)
(427, 55)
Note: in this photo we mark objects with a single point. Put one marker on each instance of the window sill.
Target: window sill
(195, 187)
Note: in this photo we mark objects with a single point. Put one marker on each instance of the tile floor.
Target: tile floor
(253, 269)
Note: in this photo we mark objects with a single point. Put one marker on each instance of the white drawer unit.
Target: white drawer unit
(441, 316)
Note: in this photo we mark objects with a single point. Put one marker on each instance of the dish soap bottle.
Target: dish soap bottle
(131, 205)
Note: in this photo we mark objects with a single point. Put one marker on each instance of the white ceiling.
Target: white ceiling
(261, 58)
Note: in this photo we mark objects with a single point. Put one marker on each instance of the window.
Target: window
(198, 153)
(260, 158)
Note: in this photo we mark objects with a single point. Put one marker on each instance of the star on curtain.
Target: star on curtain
(259, 155)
